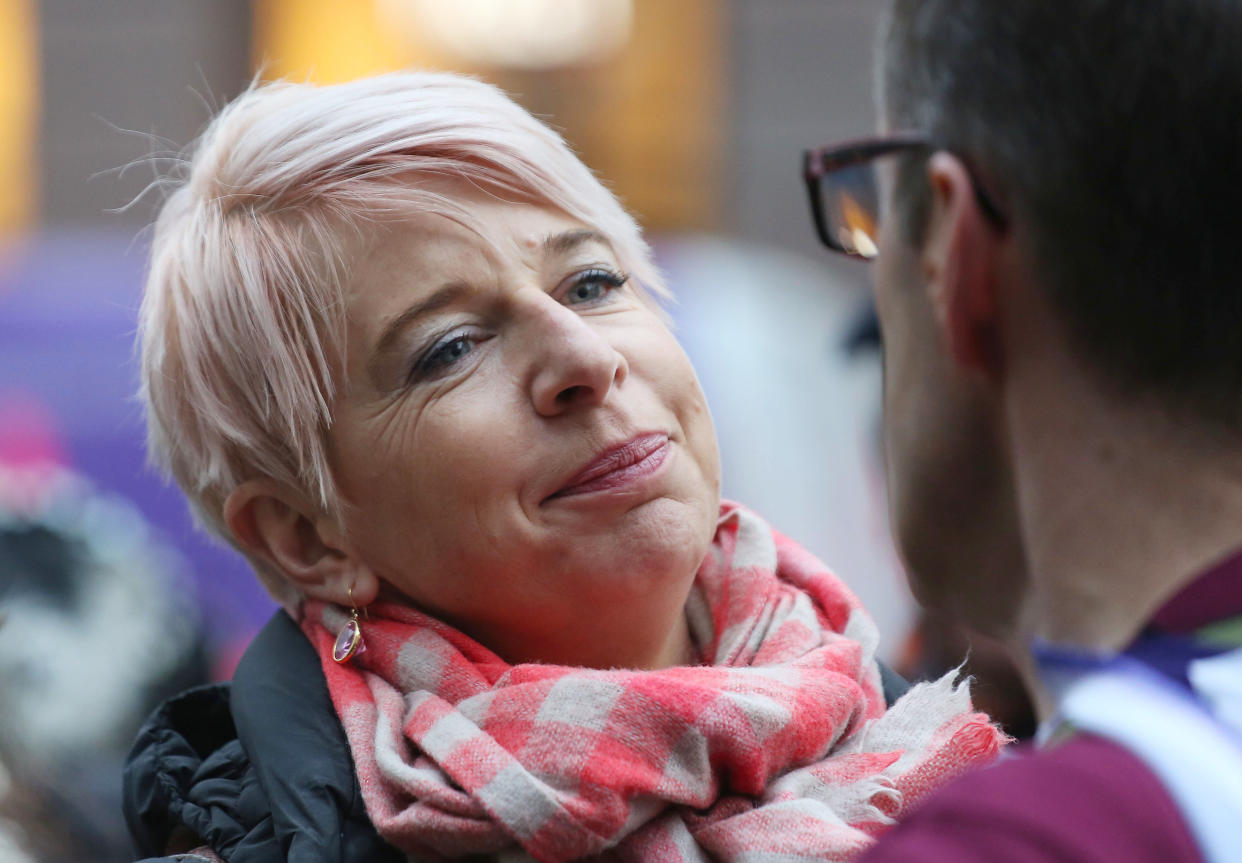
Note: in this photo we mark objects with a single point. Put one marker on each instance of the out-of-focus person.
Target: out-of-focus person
(403, 350)
(1051, 205)
(97, 625)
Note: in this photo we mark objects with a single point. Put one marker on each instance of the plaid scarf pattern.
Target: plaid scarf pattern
(779, 746)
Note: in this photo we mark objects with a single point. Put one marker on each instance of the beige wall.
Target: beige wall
(123, 79)
(698, 125)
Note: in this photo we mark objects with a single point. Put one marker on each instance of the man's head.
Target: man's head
(1075, 200)
(1109, 131)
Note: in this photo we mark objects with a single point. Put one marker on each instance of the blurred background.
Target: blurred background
(694, 111)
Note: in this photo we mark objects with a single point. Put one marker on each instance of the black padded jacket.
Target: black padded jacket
(258, 771)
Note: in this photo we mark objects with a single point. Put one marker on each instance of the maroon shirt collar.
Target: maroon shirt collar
(1214, 595)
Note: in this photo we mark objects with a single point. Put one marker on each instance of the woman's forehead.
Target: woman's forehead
(428, 246)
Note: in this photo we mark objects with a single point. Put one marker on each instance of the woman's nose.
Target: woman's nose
(575, 366)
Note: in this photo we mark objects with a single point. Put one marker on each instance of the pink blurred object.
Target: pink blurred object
(29, 433)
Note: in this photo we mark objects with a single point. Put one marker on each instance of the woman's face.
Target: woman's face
(522, 442)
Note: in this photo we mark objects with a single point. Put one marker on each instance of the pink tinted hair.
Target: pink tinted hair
(242, 324)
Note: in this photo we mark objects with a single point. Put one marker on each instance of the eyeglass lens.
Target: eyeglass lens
(850, 203)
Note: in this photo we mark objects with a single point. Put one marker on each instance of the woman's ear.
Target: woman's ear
(283, 530)
(960, 259)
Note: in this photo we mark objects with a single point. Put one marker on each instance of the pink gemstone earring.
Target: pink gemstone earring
(349, 639)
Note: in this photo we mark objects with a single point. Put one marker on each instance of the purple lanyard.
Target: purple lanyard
(1167, 654)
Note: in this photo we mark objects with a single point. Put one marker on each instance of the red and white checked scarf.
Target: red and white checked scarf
(781, 746)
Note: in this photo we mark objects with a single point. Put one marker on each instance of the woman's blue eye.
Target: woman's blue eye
(443, 355)
(593, 285)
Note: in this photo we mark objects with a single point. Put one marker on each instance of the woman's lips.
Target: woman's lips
(618, 466)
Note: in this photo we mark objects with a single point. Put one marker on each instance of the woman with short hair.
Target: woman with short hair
(403, 351)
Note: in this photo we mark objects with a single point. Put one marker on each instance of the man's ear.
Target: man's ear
(280, 528)
(960, 262)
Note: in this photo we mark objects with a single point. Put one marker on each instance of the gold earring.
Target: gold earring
(349, 638)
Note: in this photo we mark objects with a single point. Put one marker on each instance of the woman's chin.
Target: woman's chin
(661, 540)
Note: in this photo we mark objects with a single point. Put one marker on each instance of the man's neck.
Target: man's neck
(1119, 510)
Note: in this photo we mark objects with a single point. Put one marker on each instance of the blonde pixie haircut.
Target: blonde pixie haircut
(242, 324)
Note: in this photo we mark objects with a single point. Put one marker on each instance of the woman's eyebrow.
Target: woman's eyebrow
(443, 296)
(564, 242)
